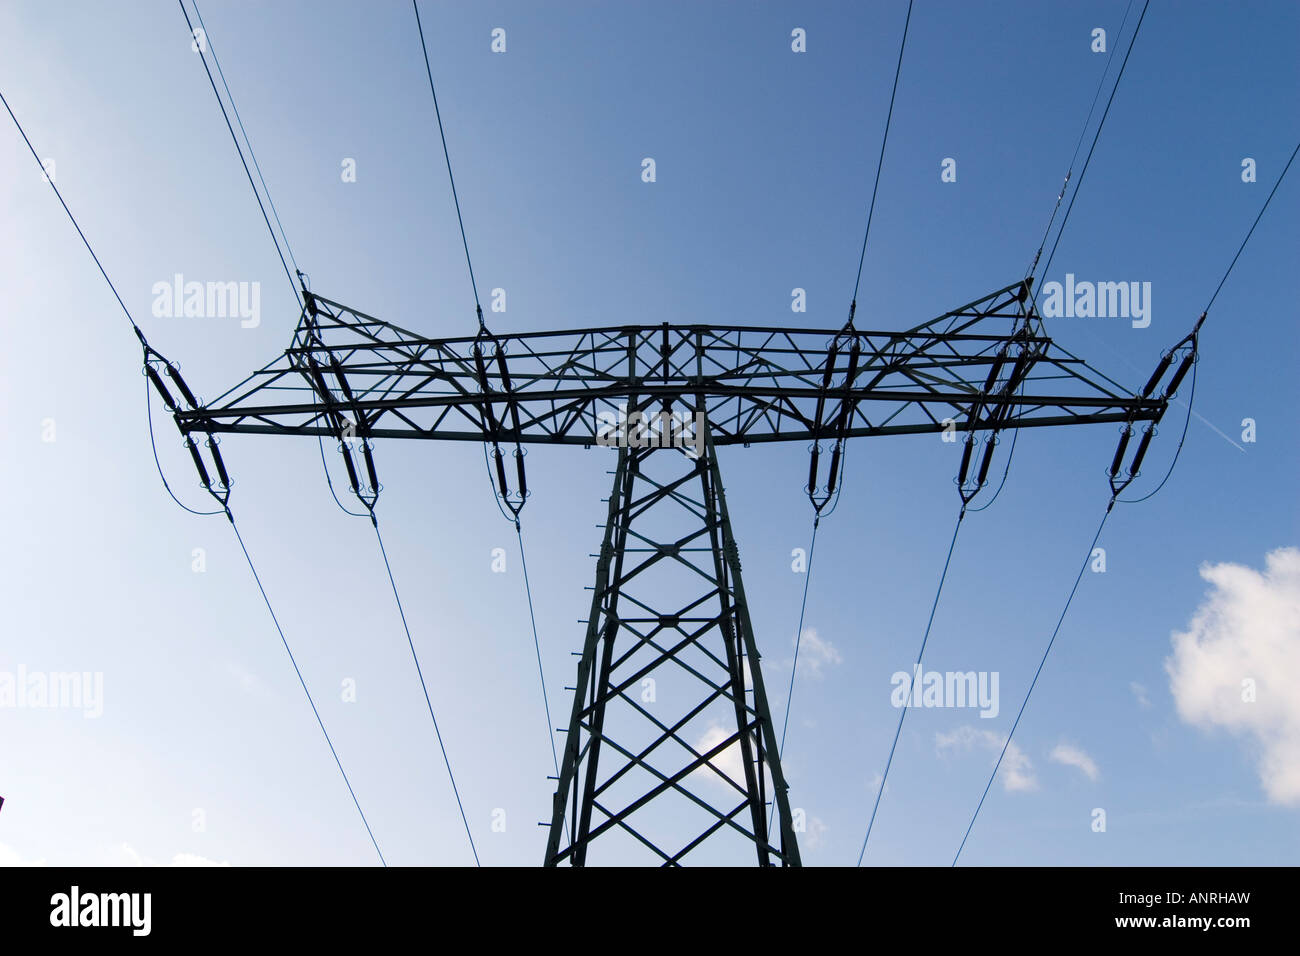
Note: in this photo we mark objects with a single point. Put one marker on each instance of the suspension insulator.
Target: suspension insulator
(965, 459)
(988, 458)
(1184, 367)
(1017, 373)
(846, 405)
(505, 385)
(994, 371)
(317, 378)
(835, 470)
(1143, 445)
(501, 472)
(831, 355)
(481, 369)
(1119, 452)
(354, 485)
(370, 466)
(162, 389)
(217, 460)
(519, 469)
(309, 301)
(1157, 375)
(204, 480)
(812, 468)
(502, 369)
(175, 376)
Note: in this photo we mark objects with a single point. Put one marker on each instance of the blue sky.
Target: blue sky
(765, 160)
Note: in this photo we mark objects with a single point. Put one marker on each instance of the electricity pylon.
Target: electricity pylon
(670, 743)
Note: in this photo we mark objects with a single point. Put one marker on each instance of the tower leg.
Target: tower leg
(670, 748)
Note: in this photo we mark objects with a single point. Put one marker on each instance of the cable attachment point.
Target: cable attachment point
(843, 415)
(994, 408)
(1188, 345)
(1121, 480)
(220, 489)
(492, 425)
(966, 489)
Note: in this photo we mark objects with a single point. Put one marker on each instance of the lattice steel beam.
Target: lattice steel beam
(753, 384)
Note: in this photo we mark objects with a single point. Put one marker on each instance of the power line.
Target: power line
(460, 220)
(1191, 398)
(1033, 266)
(913, 686)
(1033, 683)
(1111, 505)
(330, 482)
(880, 162)
(798, 641)
(243, 162)
(148, 409)
(99, 265)
(446, 155)
(416, 658)
(803, 604)
(251, 155)
(303, 682)
(1069, 170)
(320, 442)
(532, 617)
(1096, 136)
(229, 515)
(541, 676)
(270, 200)
(1242, 247)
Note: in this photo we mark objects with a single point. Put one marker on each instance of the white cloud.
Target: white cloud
(815, 834)
(179, 859)
(248, 682)
(816, 654)
(1140, 694)
(1073, 756)
(1016, 772)
(1247, 629)
(193, 859)
(10, 857)
(729, 761)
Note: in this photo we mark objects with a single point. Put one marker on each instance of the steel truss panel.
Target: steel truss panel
(670, 747)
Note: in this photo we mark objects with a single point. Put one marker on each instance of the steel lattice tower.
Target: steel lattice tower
(670, 656)
(654, 680)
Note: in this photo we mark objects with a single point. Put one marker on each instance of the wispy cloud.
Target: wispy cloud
(1140, 694)
(815, 835)
(1016, 772)
(179, 859)
(248, 682)
(730, 761)
(1073, 756)
(816, 654)
(11, 857)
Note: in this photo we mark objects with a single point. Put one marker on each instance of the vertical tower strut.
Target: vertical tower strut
(670, 719)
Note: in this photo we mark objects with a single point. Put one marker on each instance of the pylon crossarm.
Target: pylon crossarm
(752, 384)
